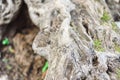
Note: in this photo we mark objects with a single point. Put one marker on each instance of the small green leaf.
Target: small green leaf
(45, 67)
(5, 41)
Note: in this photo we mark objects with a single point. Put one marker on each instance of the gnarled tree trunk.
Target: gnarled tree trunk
(78, 38)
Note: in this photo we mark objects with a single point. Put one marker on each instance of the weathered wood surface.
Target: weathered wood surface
(78, 38)
(69, 32)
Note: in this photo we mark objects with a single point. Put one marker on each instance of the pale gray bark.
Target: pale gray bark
(77, 37)
(68, 30)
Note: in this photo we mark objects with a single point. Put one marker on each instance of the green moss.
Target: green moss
(117, 48)
(98, 45)
(106, 17)
(118, 73)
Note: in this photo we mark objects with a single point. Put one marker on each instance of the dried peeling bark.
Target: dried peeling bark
(68, 32)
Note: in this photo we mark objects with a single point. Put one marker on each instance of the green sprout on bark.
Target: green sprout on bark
(106, 17)
(45, 67)
(98, 45)
(5, 41)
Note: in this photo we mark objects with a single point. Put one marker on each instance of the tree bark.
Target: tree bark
(78, 39)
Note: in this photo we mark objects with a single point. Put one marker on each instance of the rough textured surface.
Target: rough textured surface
(77, 38)
(29, 63)
(114, 6)
(21, 63)
(18, 61)
(9, 10)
